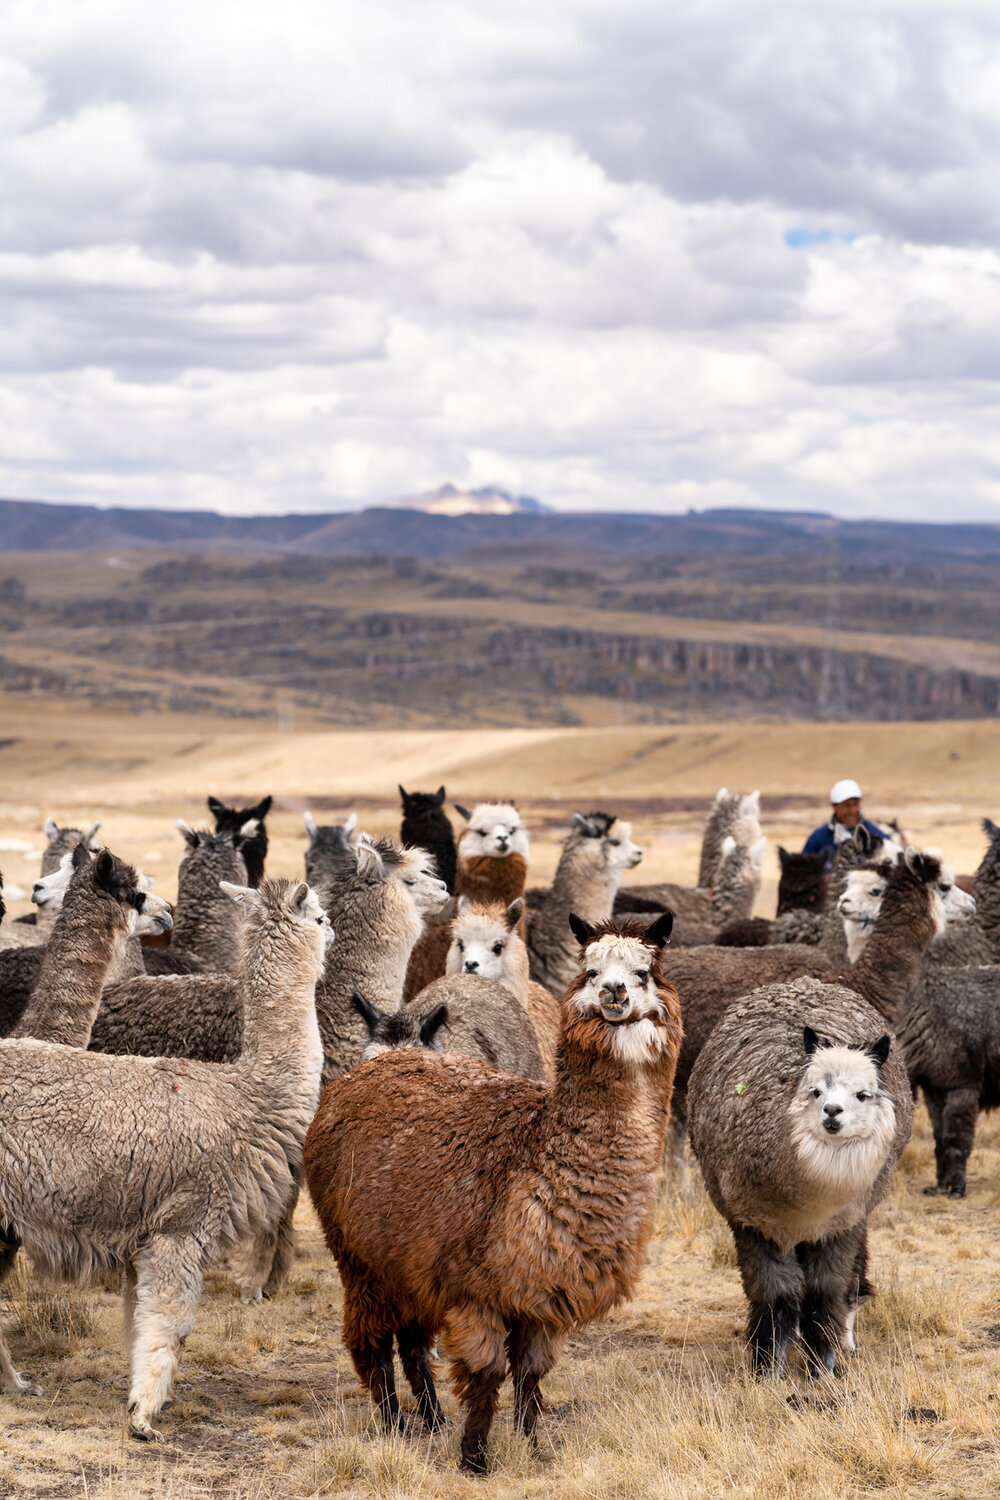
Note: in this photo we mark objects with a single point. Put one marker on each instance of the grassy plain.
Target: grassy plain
(652, 1403)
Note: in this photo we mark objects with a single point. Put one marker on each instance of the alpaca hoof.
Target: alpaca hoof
(248, 1297)
(25, 1386)
(473, 1463)
(957, 1190)
(144, 1432)
(933, 1190)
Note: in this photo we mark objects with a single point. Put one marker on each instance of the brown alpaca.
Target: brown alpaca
(493, 854)
(492, 1212)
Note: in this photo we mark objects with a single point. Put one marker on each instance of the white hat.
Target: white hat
(843, 791)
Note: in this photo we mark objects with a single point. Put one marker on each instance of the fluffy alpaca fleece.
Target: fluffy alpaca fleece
(206, 935)
(329, 849)
(493, 854)
(156, 1166)
(426, 825)
(546, 1228)
(800, 1109)
(53, 991)
(464, 1014)
(711, 979)
(699, 914)
(253, 844)
(732, 815)
(802, 886)
(587, 877)
(485, 941)
(986, 888)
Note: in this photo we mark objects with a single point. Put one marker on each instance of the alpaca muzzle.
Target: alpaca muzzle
(614, 1001)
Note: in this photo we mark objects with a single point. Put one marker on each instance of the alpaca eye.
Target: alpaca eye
(642, 975)
(862, 1096)
(815, 1093)
(615, 843)
(498, 947)
(591, 973)
(461, 946)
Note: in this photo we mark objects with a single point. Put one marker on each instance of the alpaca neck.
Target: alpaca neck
(281, 1044)
(516, 977)
(89, 935)
(128, 963)
(893, 957)
(206, 922)
(987, 893)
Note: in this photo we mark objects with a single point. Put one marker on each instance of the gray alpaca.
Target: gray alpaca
(157, 1166)
(800, 1109)
(461, 1013)
(598, 849)
(732, 815)
(206, 936)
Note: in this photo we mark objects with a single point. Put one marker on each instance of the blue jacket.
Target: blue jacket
(822, 841)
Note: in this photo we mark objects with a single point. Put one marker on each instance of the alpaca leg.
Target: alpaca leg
(934, 1099)
(829, 1268)
(532, 1351)
(774, 1285)
(673, 1150)
(284, 1248)
(413, 1344)
(168, 1277)
(958, 1133)
(12, 1382)
(859, 1291)
(370, 1320)
(478, 1355)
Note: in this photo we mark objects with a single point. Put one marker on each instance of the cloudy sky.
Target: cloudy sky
(301, 256)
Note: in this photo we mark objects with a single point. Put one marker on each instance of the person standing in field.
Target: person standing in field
(845, 799)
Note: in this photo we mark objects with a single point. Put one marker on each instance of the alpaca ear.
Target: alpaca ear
(299, 897)
(237, 892)
(863, 839)
(659, 933)
(514, 913)
(432, 1023)
(52, 828)
(79, 857)
(311, 826)
(722, 795)
(263, 808)
(462, 811)
(105, 875)
(187, 833)
(88, 836)
(368, 1012)
(582, 931)
(402, 793)
(463, 903)
(585, 826)
(750, 805)
(783, 857)
(350, 825)
(370, 866)
(215, 807)
(810, 1040)
(439, 796)
(879, 1051)
(920, 865)
(989, 828)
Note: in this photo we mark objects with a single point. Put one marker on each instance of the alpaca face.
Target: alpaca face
(842, 1121)
(861, 902)
(479, 944)
(48, 890)
(495, 830)
(149, 914)
(618, 987)
(416, 873)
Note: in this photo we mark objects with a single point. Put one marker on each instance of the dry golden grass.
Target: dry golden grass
(653, 1403)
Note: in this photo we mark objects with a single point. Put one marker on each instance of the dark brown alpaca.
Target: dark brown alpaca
(494, 1212)
(426, 825)
(802, 886)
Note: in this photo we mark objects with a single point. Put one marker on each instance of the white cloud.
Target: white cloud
(280, 257)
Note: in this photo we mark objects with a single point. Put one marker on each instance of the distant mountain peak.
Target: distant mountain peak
(452, 500)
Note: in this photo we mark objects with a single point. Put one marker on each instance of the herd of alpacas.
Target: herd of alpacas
(480, 1083)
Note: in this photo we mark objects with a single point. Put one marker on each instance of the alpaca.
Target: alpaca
(52, 991)
(485, 941)
(861, 901)
(587, 877)
(863, 848)
(732, 814)
(461, 1014)
(700, 914)
(253, 845)
(48, 892)
(426, 826)
(495, 1212)
(802, 886)
(800, 1110)
(711, 979)
(155, 1166)
(329, 848)
(37, 927)
(493, 854)
(206, 935)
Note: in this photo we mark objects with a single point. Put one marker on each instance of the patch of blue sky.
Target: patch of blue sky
(800, 238)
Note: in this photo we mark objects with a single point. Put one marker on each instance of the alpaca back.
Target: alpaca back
(485, 1021)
